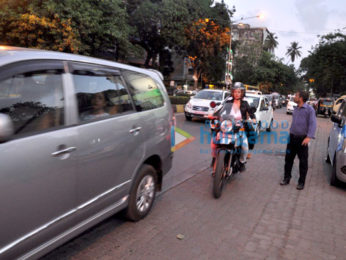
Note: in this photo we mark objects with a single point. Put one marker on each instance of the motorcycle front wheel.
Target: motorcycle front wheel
(220, 174)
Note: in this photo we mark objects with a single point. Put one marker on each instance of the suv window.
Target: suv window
(33, 99)
(100, 93)
(144, 90)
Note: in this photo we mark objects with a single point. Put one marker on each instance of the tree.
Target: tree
(271, 42)
(326, 65)
(269, 73)
(21, 26)
(158, 24)
(293, 51)
(206, 40)
(96, 28)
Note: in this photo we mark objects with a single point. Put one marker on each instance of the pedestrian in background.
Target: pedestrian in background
(302, 130)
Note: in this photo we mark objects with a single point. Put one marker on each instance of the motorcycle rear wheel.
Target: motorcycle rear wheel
(220, 174)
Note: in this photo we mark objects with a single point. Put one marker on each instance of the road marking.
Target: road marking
(182, 138)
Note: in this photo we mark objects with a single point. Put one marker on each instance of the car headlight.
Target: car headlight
(226, 126)
(188, 105)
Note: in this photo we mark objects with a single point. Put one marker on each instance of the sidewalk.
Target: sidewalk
(255, 218)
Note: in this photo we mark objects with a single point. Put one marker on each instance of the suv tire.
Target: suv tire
(142, 193)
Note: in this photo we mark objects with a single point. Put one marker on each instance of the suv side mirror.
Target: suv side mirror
(336, 119)
(6, 128)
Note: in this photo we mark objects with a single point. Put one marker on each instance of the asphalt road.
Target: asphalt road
(257, 196)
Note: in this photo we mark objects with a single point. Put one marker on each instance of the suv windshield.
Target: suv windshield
(210, 95)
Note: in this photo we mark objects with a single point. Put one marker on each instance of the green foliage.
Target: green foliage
(21, 25)
(325, 65)
(158, 24)
(269, 72)
(88, 27)
(293, 51)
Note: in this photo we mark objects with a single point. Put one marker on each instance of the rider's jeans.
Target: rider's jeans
(244, 148)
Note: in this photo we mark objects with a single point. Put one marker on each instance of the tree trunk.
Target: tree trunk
(148, 58)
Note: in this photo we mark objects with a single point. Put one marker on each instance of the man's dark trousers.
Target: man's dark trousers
(295, 147)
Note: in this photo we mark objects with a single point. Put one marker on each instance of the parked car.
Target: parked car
(282, 101)
(336, 151)
(324, 106)
(290, 105)
(312, 102)
(338, 103)
(276, 101)
(270, 100)
(199, 105)
(80, 139)
(181, 92)
(264, 112)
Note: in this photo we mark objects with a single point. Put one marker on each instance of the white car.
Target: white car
(199, 105)
(264, 112)
(290, 105)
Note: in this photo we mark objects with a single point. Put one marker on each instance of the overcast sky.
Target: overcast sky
(293, 20)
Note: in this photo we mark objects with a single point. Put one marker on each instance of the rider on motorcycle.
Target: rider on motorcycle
(240, 110)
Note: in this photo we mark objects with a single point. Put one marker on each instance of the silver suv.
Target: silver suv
(336, 151)
(80, 139)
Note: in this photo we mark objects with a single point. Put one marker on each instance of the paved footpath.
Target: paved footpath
(255, 218)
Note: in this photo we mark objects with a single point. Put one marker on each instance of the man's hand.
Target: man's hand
(306, 141)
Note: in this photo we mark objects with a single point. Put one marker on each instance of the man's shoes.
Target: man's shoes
(285, 182)
(242, 167)
(300, 186)
(213, 174)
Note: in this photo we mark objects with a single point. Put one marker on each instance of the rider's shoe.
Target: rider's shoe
(242, 167)
(212, 162)
(213, 174)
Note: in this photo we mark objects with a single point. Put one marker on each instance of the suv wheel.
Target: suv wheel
(188, 118)
(328, 158)
(333, 178)
(142, 193)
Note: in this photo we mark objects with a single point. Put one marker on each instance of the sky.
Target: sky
(293, 20)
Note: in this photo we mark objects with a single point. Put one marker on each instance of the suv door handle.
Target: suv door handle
(63, 151)
(134, 130)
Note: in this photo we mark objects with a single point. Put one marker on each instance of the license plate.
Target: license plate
(198, 112)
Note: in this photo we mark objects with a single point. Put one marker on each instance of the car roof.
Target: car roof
(10, 54)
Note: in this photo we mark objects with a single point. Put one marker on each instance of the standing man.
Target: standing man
(302, 130)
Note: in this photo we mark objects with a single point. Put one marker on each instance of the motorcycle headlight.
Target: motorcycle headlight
(226, 126)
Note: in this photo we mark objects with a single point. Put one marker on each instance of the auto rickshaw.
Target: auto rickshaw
(325, 107)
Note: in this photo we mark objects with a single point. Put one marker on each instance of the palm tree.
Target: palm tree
(271, 42)
(293, 51)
